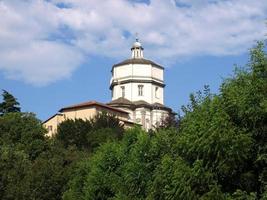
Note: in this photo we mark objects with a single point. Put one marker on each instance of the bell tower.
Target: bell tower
(137, 49)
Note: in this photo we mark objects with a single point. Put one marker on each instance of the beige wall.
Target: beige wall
(80, 113)
(51, 124)
(120, 115)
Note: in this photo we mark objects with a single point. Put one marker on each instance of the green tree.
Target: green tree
(245, 101)
(9, 104)
(174, 178)
(74, 132)
(106, 120)
(23, 131)
(89, 134)
(48, 174)
(218, 152)
(228, 131)
(121, 169)
(14, 165)
(32, 166)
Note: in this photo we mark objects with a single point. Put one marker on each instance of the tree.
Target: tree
(14, 165)
(218, 152)
(121, 169)
(48, 174)
(170, 121)
(9, 104)
(32, 166)
(74, 132)
(105, 127)
(24, 131)
(245, 101)
(89, 134)
(229, 131)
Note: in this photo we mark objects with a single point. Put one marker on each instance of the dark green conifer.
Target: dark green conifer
(9, 104)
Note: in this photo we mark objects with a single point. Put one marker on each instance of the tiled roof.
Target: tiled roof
(137, 61)
(134, 104)
(120, 100)
(51, 117)
(90, 104)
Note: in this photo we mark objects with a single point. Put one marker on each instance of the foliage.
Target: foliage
(48, 174)
(115, 170)
(208, 134)
(91, 133)
(32, 166)
(170, 121)
(14, 165)
(74, 132)
(217, 152)
(23, 131)
(9, 103)
(105, 120)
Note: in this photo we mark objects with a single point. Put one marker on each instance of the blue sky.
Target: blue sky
(59, 52)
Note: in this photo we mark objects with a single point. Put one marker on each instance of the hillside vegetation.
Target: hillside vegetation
(216, 150)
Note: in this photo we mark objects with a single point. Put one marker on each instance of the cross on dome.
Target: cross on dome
(136, 37)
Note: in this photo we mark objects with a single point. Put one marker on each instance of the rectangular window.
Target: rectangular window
(140, 90)
(123, 91)
(156, 92)
(50, 128)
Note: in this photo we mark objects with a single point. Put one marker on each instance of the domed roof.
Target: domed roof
(137, 44)
(138, 61)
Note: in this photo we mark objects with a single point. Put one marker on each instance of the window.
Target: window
(112, 93)
(156, 92)
(140, 90)
(122, 91)
(50, 128)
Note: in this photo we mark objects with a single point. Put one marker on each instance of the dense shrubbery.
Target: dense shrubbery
(88, 135)
(218, 151)
(33, 166)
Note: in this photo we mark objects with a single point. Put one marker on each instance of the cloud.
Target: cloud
(40, 63)
(27, 52)
(42, 41)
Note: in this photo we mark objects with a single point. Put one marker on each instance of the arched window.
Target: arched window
(140, 90)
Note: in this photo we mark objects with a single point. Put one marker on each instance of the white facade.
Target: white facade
(137, 86)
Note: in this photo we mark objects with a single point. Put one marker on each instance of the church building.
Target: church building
(137, 88)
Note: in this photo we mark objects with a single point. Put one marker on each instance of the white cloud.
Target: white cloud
(42, 41)
(40, 62)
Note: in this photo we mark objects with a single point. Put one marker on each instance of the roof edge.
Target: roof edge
(137, 61)
(90, 104)
(51, 117)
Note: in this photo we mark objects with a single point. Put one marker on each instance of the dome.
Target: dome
(138, 61)
(136, 44)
